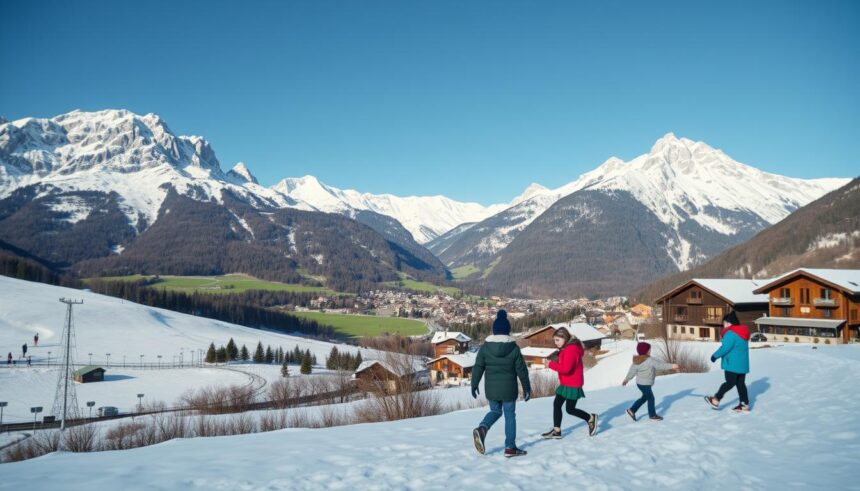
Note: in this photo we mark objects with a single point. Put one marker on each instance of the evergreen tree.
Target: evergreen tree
(244, 355)
(259, 355)
(270, 356)
(232, 350)
(281, 354)
(314, 359)
(297, 355)
(306, 364)
(357, 361)
(221, 355)
(285, 369)
(210, 353)
(333, 359)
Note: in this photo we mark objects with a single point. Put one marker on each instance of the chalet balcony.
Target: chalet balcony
(679, 318)
(712, 321)
(824, 302)
(782, 301)
(694, 301)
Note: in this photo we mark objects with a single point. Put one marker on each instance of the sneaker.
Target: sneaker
(478, 435)
(741, 408)
(514, 452)
(552, 435)
(631, 414)
(592, 425)
(656, 418)
(713, 402)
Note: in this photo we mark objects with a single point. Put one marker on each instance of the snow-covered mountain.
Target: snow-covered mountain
(426, 217)
(683, 182)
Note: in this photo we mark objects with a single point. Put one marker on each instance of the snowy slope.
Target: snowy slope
(680, 181)
(785, 442)
(110, 325)
(426, 217)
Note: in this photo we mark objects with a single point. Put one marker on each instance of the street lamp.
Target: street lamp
(2, 405)
(159, 361)
(91, 359)
(108, 359)
(35, 410)
(49, 357)
(90, 405)
(140, 402)
(141, 362)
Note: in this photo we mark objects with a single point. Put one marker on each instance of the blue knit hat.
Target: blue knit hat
(501, 325)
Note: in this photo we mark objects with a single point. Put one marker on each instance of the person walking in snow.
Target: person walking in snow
(644, 368)
(570, 378)
(501, 360)
(36, 339)
(29, 361)
(9, 359)
(24, 350)
(735, 356)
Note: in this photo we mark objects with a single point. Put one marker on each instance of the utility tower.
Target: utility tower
(65, 400)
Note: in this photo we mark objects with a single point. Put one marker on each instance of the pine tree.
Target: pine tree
(270, 356)
(281, 358)
(221, 354)
(210, 353)
(297, 355)
(259, 355)
(285, 369)
(333, 359)
(232, 350)
(306, 364)
(243, 353)
(357, 361)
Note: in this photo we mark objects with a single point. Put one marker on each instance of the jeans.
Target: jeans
(734, 379)
(509, 409)
(571, 409)
(647, 396)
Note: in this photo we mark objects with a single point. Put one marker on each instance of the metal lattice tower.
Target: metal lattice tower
(65, 399)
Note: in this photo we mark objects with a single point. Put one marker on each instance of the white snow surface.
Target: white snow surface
(803, 432)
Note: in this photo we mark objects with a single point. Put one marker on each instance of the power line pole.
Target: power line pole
(65, 400)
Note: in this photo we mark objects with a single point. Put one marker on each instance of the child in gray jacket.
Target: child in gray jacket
(644, 368)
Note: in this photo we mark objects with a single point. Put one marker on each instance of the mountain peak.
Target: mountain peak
(241, 172)
(532, 190)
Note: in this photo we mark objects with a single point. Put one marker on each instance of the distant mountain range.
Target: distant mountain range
(90, 190)
(822, 234)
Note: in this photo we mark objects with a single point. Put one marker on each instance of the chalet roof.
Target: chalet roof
(583, 331)
(798, 322)
(87, 369)
(442, 336)
(732, 290)
(845, 279)
(539, 352)
(395, 366)
(465, 360)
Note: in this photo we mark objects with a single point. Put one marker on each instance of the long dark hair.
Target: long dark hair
(563, 333)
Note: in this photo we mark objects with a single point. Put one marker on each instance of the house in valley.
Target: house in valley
(541, 337)
(694, 310)
(450, 343)
(452, 369)
(390, 375)
(812, 305)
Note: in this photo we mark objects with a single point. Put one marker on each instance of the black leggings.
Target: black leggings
(734, 379)
(571, 409)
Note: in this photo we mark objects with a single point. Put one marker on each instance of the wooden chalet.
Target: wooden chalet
(452, 368)
(450, 343)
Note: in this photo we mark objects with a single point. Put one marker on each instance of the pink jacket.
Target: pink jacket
(569, 366)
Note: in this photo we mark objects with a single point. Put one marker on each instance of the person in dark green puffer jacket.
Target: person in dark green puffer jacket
(501, 360)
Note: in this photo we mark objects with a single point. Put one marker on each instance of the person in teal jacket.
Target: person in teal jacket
(734, 356)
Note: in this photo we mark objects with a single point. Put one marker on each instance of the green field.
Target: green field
(491, 266)
(420, 286)
(231, 283)
(464, 271)
(366, 325)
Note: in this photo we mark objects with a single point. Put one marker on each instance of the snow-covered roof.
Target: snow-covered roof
(580, 330)
(442, 336)
(847, 279)
(798, 322)
(734, 290)
(539, 352)
(398, 367)
(465, 360)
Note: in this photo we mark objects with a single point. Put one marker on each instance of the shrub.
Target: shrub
(543, 383)
(796, 339)
(80, 438)
(815, 340)
(826, 341)
(684, 354)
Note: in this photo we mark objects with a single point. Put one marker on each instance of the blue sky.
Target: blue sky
(473, 100)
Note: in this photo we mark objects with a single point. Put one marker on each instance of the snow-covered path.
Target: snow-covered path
(804, 432)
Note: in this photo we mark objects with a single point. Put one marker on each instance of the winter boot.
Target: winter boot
(741, 408)
(631, 414)
(478, 435)
(592, 425)
(552, 435)
(656, 418)
(514, 452)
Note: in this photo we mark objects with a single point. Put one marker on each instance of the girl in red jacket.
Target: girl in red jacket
(570, 378)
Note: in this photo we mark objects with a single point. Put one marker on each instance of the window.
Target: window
(826, 294)
(827, 313)
(786, 311)
(804, 296)
(674, 329)
(785, 293)
(683, 330)
(853, 314)
(695, 294)
(715, 313)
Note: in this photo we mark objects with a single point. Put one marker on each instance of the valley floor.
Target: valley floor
(803, 432)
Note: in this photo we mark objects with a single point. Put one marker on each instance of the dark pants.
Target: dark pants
(571, 409)
(647, 396)
(734, 379)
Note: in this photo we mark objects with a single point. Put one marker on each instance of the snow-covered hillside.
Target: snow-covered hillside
(803, 432)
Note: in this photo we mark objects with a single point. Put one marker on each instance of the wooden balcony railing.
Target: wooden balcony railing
(782, 301)
(694, 301)
(824, 302)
